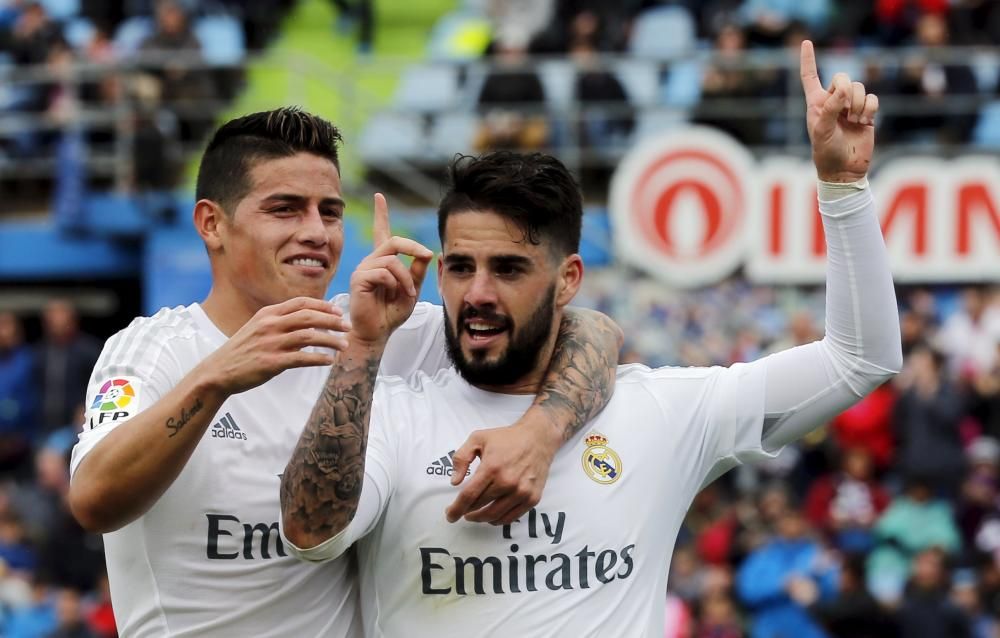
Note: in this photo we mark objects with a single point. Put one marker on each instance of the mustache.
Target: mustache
(486, 313)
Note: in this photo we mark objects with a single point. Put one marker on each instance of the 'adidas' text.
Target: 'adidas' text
(226, 428)
(444, 466)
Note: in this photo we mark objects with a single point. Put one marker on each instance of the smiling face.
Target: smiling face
(503, 299)
(285, 236)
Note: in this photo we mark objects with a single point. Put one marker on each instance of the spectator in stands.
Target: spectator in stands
(932, 82)
(926, 611)
(718, 617)
(69, 612)
(362, 13)
(728, 87)
(846, 503)
(768, 22)
(606, 119)
(18, 401)
(926, 421)
(914, 521)
(32, 35)
(679, 622)
(175, 46)
(965, 597)
(512, 101)
(975, 22)
(100, 615)
(897, 20)
(985, 388)
(38, 617)
(969, 336)
(519, 20)
(69, 556)
(769, 576)
(867, 425)
(851, 612)
(65, 358)
(15, 550)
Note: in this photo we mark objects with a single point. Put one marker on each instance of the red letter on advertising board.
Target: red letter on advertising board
(971, 198)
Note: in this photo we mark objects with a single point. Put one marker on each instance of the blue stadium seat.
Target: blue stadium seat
(986, 134)
(452, 133)
(850, 63)
(654, 121)
(131, 33)
(427, 88)
(640, 78)
(558, 79)
(663, 33)
(390, 137)
(682, 86)
(221, 38)
(986, 66)
(79, 32)
(60, 10)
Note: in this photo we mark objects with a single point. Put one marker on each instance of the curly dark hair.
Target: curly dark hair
(534, 190)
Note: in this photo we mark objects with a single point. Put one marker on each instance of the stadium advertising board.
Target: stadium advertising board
(691, 206)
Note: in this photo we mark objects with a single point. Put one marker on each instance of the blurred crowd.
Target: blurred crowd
(886, 522)
(150, 74)
(52, 574)
(731, 90)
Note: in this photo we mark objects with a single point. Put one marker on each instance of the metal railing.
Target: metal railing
(652, 105)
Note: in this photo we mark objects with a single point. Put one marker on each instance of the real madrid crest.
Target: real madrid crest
(600, 462)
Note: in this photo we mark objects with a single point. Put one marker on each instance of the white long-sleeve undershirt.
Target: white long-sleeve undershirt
(807, 385)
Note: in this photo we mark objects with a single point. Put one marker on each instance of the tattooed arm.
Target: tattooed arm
(515, 460)
(321, 485)
(581, 374)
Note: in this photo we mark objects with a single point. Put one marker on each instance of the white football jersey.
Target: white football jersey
(207, 559)
(592, 558)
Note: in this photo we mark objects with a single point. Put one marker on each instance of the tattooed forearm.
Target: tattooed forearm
(175, 424)
(581, 374)
(322, 482)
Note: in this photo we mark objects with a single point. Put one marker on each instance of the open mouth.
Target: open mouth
(480, 330)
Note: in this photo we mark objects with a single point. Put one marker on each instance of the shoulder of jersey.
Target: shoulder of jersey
(637, 372)
(422, 312)
(152, 332)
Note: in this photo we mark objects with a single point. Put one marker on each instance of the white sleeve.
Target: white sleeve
(805, 386)
(134, 371)
(862, 348)
(417, 345)
(380, 464)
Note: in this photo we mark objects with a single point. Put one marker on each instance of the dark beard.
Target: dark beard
(524, 346)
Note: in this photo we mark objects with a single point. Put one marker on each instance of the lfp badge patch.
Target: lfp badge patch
(600, 462)
(116, 400)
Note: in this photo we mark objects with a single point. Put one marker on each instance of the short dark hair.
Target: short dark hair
(224, 174)
(534, 190)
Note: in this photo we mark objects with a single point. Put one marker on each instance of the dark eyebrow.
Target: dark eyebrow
(453, 258)
(510, 260)
(291, 198)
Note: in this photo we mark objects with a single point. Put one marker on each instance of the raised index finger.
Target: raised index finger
(380, 226)
(807, 68)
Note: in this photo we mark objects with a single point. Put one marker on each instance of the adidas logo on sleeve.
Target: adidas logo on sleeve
(444, 466)
(226, 428)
